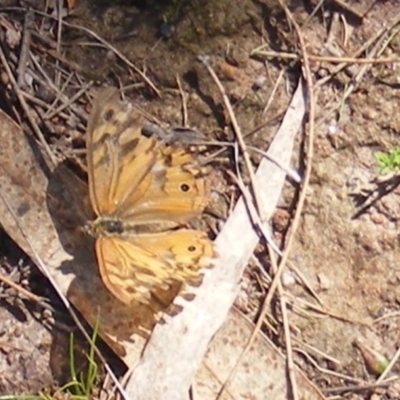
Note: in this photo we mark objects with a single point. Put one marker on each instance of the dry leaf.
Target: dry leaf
(49, 215)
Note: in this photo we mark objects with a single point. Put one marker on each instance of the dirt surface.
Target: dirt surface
(25, 358)
(347, 245)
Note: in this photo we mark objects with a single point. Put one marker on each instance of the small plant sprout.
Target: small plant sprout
(389, 161)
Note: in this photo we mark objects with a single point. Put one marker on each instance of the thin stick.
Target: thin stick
(316, 351)
(313, 12)
(105, 44)
(327, 312)
(377, 49)
(349, 9)
(393, 361)
(184, 105)
(328, 371)
(274, 90)
(117, 53)
(25, 107)
(285, 320)
(44, 105)
(352, 388)
(56, 90)
(290, 172)
(59, 34)
(305, 282)
(71, 100)
(24, 55)
(310, 147)
(362, 49)
(56, 99)
(238, 134)
(23, 291)
(331, 59)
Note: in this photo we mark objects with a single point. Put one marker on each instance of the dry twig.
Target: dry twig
(24, 54)
(26, 109)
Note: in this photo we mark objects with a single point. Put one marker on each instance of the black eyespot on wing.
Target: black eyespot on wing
(191, 249)
(184, 187)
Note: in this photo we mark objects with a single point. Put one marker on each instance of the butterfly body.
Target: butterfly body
(143, 193)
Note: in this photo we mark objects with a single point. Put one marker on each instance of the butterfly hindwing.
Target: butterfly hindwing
(135, 267)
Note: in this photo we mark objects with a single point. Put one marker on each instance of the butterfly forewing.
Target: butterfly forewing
(119, 158)
(174, 196)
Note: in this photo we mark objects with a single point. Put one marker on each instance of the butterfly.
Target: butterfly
(143, 193)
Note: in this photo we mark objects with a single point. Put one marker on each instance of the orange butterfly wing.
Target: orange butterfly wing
(136, 266)
(114, 144)
(147, 188)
